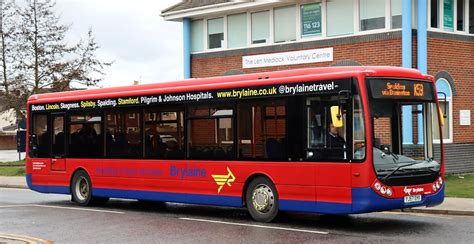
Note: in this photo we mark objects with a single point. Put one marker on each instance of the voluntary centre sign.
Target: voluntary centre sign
(288, 58)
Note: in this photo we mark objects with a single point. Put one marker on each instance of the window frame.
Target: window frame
(440, 27)
(449, 100)
(300, 39)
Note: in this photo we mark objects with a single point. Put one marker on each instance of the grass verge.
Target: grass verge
(16, 163)
(460, 186)
(12, 171)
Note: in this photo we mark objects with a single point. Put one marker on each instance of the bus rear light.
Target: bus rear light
(382, 189)
(438, 184)
(377, 186)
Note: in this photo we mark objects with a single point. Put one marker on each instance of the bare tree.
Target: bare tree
(6, 34)
(84, 69)
(11, 79)
(35, 57)
(50, 62)
(43, 43)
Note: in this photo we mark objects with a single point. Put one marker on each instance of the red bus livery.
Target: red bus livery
(324, 140)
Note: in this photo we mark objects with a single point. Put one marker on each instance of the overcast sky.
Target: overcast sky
(142, 45)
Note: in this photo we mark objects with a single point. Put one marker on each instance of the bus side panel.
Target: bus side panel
(193, 181)
(333, 188)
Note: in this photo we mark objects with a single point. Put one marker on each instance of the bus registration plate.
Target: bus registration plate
(412, 199)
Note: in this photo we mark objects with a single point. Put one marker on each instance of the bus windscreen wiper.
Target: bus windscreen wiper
(399, 167)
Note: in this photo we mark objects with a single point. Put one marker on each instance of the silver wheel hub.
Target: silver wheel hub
(82, 188)
(263, 198)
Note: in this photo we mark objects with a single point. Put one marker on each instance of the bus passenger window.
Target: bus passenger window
(123, 135)
(210, 132)
(164, 133)
(85, 136)
(40, 138)
(262, 130)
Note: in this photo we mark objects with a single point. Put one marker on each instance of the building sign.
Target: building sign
(310, 19)
(286, 89)
(288, 58)
(465, 117)
(401, 89)
(448, 15)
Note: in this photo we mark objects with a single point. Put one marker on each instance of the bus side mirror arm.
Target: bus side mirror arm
(445, 104)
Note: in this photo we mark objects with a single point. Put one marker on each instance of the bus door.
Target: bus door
(58, 161)
(326, 146)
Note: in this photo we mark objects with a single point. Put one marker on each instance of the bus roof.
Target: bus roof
(244, 80)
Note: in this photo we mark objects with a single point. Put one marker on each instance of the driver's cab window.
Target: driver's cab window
(326, 138)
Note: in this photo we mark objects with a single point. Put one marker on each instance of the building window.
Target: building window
(260, 27)
(460, 15)
(396, 12)
(285, 24)
(311, 20)
(197, 36)
(448, 15)
(372, 14)
(446, 106)
(237, 30)
(340, 17)
(215, 30)
(471, 17)
(434, 12)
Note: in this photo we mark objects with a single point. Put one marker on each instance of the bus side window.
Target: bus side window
(325, 142)
(262, 129)
(210, 132)
(40, 137)
(164, 133)
(85, 136)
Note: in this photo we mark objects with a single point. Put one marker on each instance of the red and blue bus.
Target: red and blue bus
(323, 140)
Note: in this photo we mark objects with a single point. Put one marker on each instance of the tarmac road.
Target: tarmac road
(56, 218)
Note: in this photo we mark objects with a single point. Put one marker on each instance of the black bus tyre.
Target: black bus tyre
(81, 189)
(262, 200)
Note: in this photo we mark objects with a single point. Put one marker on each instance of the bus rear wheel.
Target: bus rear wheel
(81, 190)
(262, 200)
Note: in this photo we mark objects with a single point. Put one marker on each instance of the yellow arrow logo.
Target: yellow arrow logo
(221, 180)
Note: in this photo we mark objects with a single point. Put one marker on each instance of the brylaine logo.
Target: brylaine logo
(221, 180)
(411, 190)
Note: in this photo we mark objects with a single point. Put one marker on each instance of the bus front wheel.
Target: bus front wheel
(262, 200)
(81, 190)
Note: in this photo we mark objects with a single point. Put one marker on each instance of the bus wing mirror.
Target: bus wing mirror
(336, 116)
(442, 116)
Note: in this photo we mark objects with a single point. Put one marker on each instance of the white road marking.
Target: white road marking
(257, 226)
(79, 209)
(60, 207)
(15, 205)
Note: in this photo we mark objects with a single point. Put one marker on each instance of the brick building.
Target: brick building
(434, 36)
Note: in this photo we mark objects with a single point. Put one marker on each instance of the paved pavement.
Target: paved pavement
(450, 206)
(10, 155)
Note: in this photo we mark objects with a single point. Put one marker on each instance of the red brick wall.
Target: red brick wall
(385, 52)
(7, 142)
(456, 58)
